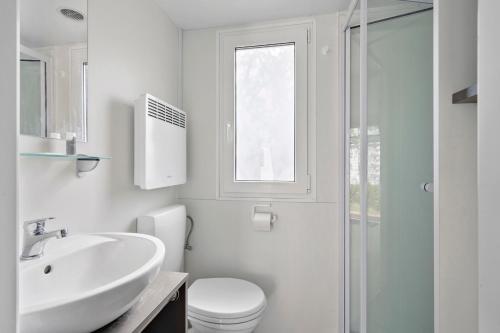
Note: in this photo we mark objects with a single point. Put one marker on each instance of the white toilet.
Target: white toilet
(225, 305)
(216, 305)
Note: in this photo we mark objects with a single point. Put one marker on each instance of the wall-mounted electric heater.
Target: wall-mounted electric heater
(159, 144)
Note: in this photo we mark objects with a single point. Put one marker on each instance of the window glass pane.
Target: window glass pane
(265, 113)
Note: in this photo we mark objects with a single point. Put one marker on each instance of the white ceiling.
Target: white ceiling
(196, 14)
(43, 25)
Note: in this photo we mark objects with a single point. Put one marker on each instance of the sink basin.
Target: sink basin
(84, 282)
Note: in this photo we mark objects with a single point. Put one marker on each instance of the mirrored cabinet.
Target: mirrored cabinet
(54, 76)
(53, 69)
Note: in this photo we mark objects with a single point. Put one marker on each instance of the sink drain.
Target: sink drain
(47, 269)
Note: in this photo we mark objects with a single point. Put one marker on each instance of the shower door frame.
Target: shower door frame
(344, 63)
(344, 316)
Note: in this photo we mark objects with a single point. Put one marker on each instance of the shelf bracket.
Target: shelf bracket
(467, 95)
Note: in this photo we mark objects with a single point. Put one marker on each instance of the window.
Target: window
(264, 112)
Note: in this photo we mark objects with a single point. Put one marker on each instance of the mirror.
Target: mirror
(53, 69)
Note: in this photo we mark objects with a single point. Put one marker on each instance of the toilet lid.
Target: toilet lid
(225, 298)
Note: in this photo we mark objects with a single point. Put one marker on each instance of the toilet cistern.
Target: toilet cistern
(35, 237)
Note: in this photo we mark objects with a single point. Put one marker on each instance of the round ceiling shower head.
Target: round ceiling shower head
(72, 14)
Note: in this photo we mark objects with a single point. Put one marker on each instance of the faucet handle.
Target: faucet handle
(64, 232)
(39, 225)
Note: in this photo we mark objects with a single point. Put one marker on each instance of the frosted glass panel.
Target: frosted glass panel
(400, 214)
(399, 246)
(265, 113)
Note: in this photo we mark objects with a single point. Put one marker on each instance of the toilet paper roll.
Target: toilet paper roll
(262, 221)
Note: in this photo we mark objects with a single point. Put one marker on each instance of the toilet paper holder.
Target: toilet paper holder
(257, 209)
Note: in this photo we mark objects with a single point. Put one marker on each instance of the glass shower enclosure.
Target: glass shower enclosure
(388, 225)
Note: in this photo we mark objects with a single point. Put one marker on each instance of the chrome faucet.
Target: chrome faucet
(35, 237)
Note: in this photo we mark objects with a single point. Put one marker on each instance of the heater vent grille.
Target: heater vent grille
(166, 113)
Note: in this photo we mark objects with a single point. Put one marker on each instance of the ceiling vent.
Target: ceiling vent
(72, 14)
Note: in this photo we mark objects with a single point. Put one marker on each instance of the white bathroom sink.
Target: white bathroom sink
(85, 281)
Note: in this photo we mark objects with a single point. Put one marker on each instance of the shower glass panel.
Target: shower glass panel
(397, 254)
(400, 213)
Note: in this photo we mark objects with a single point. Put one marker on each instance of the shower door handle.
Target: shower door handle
(427, 187)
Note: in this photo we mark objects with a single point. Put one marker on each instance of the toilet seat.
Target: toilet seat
(249, 325)
(225, 301)
(225, 321)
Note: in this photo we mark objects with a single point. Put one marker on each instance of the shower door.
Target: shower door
(389, 167)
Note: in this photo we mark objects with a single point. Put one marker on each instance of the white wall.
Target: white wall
(8, 170)
(456, 192)
(133, 48)
(297, 264)
(488, 160)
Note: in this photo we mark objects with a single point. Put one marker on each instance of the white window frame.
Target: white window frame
(301, 33)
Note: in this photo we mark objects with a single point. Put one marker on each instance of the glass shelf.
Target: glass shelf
(65, 157)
